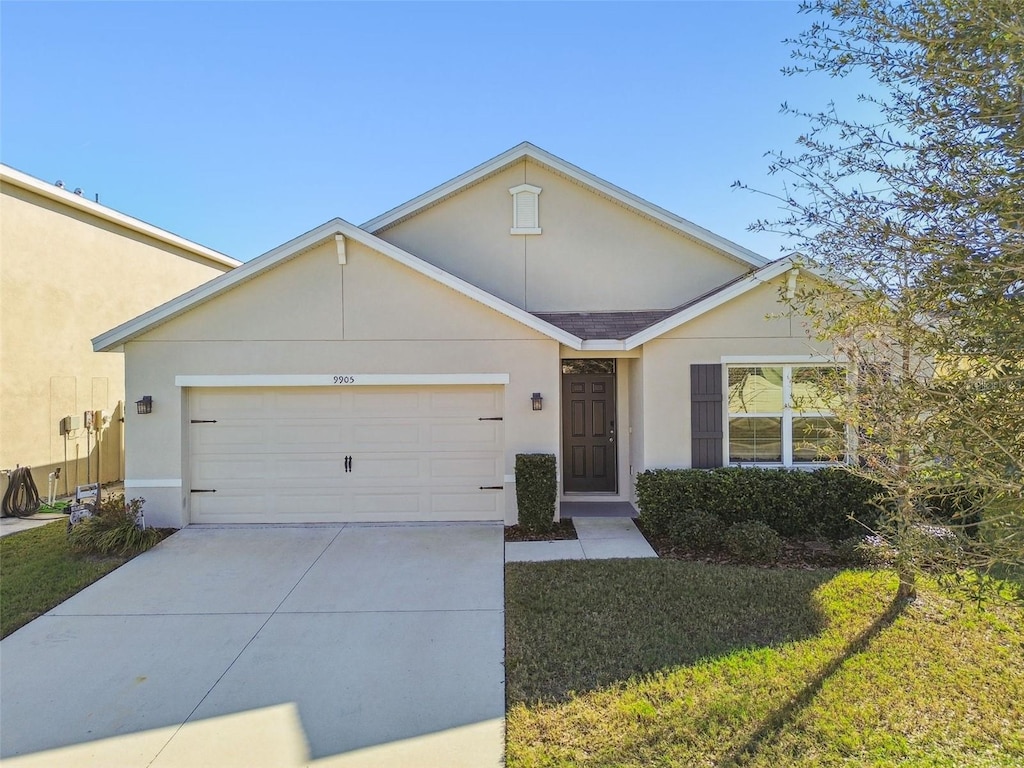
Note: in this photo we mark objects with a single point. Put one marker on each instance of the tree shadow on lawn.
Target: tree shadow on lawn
(776, 722)
(579, 626)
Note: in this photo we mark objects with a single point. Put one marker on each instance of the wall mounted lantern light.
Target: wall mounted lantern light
(145, 405)
(538, 401)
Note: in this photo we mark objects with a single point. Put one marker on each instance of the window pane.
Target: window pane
(755, 390)
(818, 440)
(818, 387)
(589, 365)
(757, 439)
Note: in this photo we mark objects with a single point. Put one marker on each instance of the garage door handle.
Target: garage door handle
(491, 418)
(348, 463)
(491, 488)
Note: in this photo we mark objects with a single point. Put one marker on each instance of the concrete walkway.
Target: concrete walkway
(9, 525)
(270, 647)
(599, 538)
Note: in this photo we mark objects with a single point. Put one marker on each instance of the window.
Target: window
(525, 210)
(783, 414)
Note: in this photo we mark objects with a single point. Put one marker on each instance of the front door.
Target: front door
(588, 426)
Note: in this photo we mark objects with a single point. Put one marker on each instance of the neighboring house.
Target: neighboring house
(389, 372)
(71, 268)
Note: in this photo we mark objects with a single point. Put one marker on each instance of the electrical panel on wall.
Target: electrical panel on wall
(70, 424)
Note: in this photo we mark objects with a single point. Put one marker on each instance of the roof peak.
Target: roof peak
(527, 150)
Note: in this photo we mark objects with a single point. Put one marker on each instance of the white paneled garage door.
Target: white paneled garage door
(346, 454)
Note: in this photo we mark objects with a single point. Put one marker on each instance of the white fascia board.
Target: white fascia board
(441, 191)
(340, 380)
(106, 342)
(603, 345)
(753, 280)
(16, 178)
(527, 150)
(116, 337)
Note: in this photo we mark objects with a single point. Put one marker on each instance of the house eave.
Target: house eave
(75, 202)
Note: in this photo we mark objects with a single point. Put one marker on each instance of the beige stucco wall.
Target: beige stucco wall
(741, 327)
(311, 315)
(593, 254)
(66, 276)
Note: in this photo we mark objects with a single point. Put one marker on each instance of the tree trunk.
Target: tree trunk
(908, 585)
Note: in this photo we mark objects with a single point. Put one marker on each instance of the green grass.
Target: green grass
(671, 663)
(38, 571)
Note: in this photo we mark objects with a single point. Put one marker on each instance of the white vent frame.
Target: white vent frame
(525, 210)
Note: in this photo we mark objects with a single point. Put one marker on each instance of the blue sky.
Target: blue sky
(242, 124)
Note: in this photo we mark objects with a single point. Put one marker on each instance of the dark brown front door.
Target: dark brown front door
(588, 426)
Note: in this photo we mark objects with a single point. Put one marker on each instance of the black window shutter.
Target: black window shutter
(706, 415)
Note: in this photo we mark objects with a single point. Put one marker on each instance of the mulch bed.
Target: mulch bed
(805, 555)
(563, 531)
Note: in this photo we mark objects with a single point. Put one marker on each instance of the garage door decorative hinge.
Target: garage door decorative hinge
(491, 418)
(204, 421)
(203, 490)
(492, 487)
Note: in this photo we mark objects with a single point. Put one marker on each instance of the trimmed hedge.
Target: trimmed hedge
(536, 491)
(793, 503)
(752, 542)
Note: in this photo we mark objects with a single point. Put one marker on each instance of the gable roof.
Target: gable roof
(611, 331)
(127, 331)
(593, 331)
(13, 177)
(526, 150)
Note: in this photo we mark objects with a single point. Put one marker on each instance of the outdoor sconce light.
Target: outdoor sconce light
(145, 405)
(538, 401)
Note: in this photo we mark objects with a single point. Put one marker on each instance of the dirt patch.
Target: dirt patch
(563, 531)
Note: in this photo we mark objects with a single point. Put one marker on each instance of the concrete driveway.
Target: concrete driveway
(353, 645)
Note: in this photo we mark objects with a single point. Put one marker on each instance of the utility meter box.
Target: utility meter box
(70, 424)
(87, 419)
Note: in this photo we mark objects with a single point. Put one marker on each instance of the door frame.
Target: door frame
(613, 394)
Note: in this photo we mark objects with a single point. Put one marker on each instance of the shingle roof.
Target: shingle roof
(622, 325)
(604, 325)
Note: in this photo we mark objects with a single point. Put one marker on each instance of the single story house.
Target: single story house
(72, 268)
(392, 371)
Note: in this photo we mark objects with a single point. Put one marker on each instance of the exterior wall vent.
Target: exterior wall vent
(525, 210)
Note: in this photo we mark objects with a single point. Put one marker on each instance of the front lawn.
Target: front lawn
(38, 571)
(672, 663)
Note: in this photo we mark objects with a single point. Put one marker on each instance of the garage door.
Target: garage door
(346, 454)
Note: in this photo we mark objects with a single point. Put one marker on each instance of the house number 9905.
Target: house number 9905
(344, 379)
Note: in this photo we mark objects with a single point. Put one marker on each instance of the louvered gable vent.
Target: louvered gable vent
(525, 210)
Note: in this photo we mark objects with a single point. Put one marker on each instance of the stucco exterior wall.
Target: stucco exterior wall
(739, 328)
(371, 315)
(593, 254)
(66, 276)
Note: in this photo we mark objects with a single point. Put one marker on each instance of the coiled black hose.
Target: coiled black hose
(21, 498)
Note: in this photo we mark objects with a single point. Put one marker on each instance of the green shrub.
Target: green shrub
(698, 530)
(828, 503)
(115, 529)
(536, 491)
(753, 542)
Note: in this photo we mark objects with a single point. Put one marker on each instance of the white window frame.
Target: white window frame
(788, 412)
(534, 194)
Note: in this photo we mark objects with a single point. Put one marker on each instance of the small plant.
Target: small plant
(753, 542)
(536, 491)
(698, 530)
(115, 529)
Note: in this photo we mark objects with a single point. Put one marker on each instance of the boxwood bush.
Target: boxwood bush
(753, 542)
(827, 503)
(536, 491)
